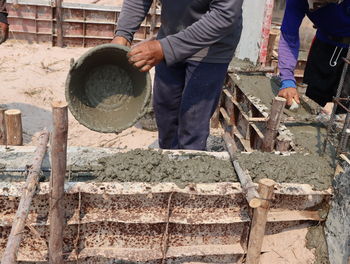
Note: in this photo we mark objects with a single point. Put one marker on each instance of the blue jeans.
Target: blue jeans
(185, 97)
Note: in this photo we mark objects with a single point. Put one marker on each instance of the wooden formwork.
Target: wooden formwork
(148, 222)
(244, 118)
(83, 25)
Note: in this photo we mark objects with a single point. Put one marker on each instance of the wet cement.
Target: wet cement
(153, 166)
(266, 89)
(315, 239)
(296, 168)
(338, 221)
(308, 138)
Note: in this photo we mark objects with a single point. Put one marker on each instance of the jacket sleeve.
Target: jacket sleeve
(132, 14)
(210, 28)
(289, 41)
(3, 12)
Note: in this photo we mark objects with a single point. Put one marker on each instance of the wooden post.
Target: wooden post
(13, 123)
(258, 225)
(270, 47)
(58, 172)
(273, 124)
(283, 145)
(2, 127)
(17, 230)
(266, 30)
(247, 184)
(59, 22)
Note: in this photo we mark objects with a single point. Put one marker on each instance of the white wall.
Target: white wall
(253, 16)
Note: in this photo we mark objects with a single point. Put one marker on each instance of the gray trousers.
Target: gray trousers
(3, 12)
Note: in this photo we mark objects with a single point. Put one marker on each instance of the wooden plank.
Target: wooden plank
(14, 240)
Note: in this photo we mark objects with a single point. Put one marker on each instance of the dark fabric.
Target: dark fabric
(200, 30)
(3, 12)
(321, 77)
(185, 96)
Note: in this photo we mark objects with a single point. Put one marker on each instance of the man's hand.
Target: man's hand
(146, 54)
(290, 94)
(121, 41)
(4, 32)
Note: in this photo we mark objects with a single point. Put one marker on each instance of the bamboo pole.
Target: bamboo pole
(273, 124)
(2, 127)
(247, 184)
(59, 22)
(257, 230)
(13, 123)
(58, 165)
(17, 230)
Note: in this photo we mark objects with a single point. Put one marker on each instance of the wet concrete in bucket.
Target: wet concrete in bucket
(106, 98)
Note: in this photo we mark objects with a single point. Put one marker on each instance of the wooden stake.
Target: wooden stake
(17, 230)
(2, 127)
(273, 124)
(58, 165)
(215, 119)
(283, 145)
(13, 120)
(257, 230)
(247, 184)
(59, 22)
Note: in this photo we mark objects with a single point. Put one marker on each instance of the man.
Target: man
(192, 52)
(4, 28)
(325, 64)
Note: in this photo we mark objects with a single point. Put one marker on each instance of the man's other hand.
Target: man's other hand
(146, 54)
(290, 94)
(121, 41)
(4, 32)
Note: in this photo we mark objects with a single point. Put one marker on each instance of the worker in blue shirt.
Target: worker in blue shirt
(325, 64)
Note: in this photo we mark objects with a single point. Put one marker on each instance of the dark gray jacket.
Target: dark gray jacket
(200, 30)
(3, 12)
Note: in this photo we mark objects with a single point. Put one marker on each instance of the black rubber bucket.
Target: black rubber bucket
(105, 92)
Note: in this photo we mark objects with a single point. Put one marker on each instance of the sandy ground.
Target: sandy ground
(32, 76)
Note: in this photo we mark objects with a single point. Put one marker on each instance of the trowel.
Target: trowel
(294, 106)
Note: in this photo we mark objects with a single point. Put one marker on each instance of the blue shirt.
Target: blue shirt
(331, 20)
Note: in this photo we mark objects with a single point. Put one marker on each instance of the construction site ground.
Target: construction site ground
(33, 76)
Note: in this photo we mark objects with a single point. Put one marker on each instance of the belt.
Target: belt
(342, 40)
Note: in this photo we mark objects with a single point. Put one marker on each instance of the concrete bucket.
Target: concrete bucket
(105, 92)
